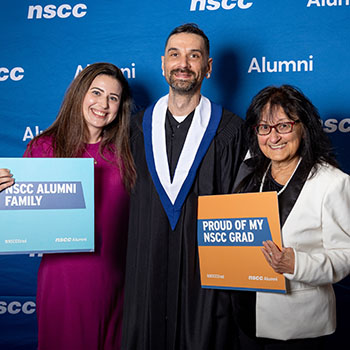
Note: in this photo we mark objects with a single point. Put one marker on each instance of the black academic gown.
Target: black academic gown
(165, 307)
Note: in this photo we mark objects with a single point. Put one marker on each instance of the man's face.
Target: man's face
(185, 62)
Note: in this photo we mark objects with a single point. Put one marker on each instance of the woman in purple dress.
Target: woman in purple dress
(80, 295)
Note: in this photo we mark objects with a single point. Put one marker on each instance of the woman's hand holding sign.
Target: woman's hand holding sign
(282, 261)
(6, 179)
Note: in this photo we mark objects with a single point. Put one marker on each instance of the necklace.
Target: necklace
(95, 161)
(285, 186)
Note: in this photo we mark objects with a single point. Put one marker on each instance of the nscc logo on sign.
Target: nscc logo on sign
(61, 11)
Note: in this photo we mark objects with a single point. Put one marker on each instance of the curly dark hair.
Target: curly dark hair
(315, 147)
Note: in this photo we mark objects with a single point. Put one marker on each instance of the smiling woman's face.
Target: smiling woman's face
(280, 148)
(101, 104)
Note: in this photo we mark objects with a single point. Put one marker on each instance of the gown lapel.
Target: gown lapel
(287, 198)
(203, 128)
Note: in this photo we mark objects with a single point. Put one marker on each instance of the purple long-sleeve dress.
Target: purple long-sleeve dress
(80, 295)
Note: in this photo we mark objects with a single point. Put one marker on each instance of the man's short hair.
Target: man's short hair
(191, 28)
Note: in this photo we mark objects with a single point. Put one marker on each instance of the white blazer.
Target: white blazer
(318, 229)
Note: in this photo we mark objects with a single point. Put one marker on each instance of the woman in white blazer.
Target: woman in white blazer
(291, 154)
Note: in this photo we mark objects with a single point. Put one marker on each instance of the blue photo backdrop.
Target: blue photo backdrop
(254, 43)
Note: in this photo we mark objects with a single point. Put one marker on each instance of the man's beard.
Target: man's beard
(183, 86)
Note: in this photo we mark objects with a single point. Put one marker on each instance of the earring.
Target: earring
(208, 75)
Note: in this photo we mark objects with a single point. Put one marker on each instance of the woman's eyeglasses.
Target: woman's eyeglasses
(281, 128)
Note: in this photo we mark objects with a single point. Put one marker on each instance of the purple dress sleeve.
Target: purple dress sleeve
(41, 148)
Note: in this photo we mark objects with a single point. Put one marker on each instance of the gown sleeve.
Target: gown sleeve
(231, 151)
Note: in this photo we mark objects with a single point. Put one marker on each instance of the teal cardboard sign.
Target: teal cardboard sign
(50, 208)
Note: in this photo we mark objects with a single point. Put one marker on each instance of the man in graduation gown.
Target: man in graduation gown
(184, 146)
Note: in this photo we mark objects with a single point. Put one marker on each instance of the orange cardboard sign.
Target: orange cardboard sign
(230, 230)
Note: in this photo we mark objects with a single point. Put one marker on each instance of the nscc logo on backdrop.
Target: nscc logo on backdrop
(16, 307)
(14, 74)
(61, 11)
(332, 125)
(213, 5)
